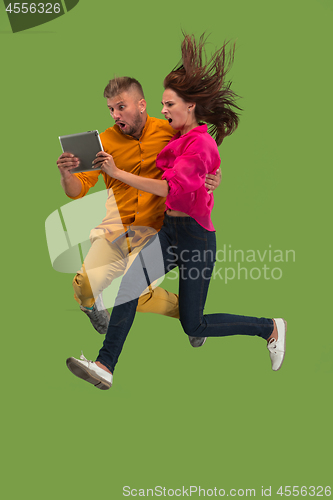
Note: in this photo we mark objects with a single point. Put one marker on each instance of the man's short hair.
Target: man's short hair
(122, 84)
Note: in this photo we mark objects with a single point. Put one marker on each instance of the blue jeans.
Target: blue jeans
(181, 243)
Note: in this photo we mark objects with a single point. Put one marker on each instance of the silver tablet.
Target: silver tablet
(85, 146)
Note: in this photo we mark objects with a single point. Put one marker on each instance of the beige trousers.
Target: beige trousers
(107, 261)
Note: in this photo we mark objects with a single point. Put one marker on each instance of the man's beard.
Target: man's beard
(136, 126)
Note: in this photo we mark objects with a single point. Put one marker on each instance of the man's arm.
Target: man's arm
(70, 183)
(213, 181)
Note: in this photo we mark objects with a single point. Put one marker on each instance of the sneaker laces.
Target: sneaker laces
(94, 313)
(90, 361)
(84, 358)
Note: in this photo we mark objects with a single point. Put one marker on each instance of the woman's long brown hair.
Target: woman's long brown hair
(205, 84)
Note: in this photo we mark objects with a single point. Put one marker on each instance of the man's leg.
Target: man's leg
(159, 301)
(104, 262)
(153, 299)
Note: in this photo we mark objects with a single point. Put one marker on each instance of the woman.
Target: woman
(194, 93)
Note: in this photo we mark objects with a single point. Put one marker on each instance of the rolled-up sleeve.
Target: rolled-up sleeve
(187, 174)
(88, 180)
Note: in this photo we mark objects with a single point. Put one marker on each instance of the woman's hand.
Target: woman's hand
(105, 162)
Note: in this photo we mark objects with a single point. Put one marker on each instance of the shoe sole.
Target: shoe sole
(82, 372)
(195, 346)
(285, 335)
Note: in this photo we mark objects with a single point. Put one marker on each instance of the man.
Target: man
(132, 215)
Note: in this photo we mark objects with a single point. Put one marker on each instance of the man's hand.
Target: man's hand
(213, 181)
(66, 162)
(105, 162)
(70, 183)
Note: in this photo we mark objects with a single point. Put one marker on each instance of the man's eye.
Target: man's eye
(121, 107)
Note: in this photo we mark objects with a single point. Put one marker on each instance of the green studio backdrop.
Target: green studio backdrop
(214, 417)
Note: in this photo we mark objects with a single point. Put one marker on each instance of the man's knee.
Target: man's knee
(82, 290)
(79, 279)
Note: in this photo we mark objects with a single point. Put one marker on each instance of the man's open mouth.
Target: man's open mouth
(121, 125)
(169, 120)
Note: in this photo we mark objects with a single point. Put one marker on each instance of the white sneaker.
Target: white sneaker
(89, 371)
(277, 348)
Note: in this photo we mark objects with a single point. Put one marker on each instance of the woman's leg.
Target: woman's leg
(150, 264)
(197, 248)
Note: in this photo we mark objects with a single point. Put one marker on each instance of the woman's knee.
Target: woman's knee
(189, 326)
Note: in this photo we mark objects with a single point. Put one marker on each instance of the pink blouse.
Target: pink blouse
(185, 161)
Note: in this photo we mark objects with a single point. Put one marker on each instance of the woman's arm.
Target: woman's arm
(105, 162)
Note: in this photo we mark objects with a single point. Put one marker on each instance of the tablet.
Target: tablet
(85, 146)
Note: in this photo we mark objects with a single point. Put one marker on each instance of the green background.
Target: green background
(176, 416)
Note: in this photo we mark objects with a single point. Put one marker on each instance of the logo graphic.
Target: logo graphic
(25, 15)
(69, 235)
